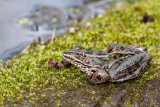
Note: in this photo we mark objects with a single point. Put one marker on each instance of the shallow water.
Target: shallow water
(14, 37)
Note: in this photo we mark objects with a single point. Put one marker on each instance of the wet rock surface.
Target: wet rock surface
(118, 97)
(151, 93)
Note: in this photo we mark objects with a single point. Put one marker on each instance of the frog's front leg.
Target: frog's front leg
(131, 68)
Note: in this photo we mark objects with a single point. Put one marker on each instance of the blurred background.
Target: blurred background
(23, 20)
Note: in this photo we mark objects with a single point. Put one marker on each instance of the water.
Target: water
(14, 38)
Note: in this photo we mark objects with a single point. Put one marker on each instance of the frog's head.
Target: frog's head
(76, 57)
(80, 57)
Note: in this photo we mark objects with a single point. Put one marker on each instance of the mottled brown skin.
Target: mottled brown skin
(116, 63)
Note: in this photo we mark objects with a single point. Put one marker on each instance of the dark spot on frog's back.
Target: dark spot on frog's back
(137, 65)
(120, 55)
(98, 77)
(129, 68)
(122, 48)
(114, 57)
(130, 72)
(93, 70)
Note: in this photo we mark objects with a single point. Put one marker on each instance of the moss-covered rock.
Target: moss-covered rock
(28, 80)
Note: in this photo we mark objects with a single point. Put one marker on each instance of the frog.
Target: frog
(115, 63)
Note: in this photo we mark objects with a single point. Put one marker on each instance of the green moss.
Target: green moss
(28, 79)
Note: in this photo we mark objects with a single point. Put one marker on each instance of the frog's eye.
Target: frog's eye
(80, 54)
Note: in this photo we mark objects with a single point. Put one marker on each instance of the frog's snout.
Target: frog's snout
(98, 76)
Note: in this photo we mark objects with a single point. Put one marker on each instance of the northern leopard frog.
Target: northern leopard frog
(116, 63)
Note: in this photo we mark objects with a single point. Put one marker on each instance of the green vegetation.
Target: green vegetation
(27, 79)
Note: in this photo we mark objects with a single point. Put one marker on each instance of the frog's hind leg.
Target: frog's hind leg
(112, 47)
(142, 49)
(139, 71)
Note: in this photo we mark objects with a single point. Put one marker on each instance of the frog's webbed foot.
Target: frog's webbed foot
(139, 71)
